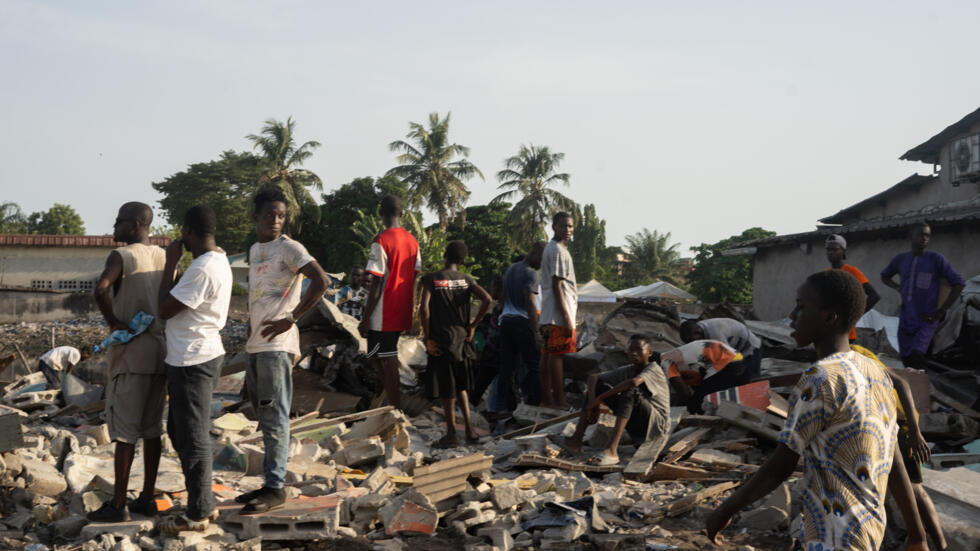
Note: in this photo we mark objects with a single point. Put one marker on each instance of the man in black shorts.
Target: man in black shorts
(448, 328)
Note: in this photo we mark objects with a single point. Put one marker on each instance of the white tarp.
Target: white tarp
(593, 291)
(660, 289)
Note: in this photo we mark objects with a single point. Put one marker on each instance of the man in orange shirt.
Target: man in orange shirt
(836, 253)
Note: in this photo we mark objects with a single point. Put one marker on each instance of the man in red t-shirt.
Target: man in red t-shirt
(836, 253)
(394, 262)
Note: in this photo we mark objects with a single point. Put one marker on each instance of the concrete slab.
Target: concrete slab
(303, 518)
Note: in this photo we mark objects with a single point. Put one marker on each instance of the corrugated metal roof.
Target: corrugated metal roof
(963, 211)
(928, 151)
(912, 182)
(103, 241)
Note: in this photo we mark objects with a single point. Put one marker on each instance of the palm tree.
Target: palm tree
(651, 258)
(531, 174)
(434, 169)
(283, 157)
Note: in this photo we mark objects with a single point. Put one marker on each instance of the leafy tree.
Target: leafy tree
(587, 242)
(283, 160)
(718, 278)
(58, 220)
(434, 169)
(531, 175)
(12, 219)
(490, 247)
(651, 258)
(226, 185)
(331, 240)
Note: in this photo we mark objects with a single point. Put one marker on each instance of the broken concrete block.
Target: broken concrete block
(230, 458)
(501, 538)
(131, 529)
(379, 482)
(764, 518)
(100, 433)
(950, 426)
(316, 490)
(125, 544)
(410, 512)
(577, 527)
(147, 543)
(43, 479)
(360, 452)
(508, 496)
(573, 485)
(302, 519)
(14, 463)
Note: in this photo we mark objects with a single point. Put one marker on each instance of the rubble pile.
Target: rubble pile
(362, 476)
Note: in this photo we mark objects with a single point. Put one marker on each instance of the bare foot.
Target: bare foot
(471, 436)
(448, 441)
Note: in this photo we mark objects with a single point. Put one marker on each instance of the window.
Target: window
(75, 285)
(41, 284)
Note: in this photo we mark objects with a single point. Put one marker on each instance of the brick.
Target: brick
(42, 478)
(300, 519)
(132, 529)
(30, 401)
(360, 452)
(379, 482)
(410, 512)
(501, 538)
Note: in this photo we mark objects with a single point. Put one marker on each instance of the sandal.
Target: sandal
(181, 523)
(267, 500)
(602, 460)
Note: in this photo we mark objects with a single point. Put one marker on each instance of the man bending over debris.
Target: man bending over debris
(394, 262)
(276, 264)
(447, 327)
(559, 301)
(196, 307)
(638, 396)
(842, 420)
(736, 335)
(136, 392)
(708, 366)
(60, 360)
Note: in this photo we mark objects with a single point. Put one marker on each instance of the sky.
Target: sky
(701, 119)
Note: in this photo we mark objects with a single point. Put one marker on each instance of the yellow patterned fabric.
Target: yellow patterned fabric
(842, 420)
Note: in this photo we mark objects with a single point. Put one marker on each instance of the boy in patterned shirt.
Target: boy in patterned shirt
(842, 420)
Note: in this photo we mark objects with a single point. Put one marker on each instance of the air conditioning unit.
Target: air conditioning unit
(964, 159)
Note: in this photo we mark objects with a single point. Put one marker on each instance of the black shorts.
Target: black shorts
(911, 465)
(632, 405)
(382, 344)
(445, 377)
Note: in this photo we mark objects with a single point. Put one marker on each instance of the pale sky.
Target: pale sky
(701, 120)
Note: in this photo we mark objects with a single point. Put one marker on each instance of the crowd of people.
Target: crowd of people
(851, 418)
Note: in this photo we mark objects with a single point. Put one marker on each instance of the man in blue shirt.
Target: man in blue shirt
(921, 272)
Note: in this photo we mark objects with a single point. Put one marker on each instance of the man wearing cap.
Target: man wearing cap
(836, 253)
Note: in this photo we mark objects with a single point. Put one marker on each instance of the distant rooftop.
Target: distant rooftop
(101, 241)
(928, 151)
(912, 182)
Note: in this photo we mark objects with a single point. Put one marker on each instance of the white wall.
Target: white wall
(20, 265)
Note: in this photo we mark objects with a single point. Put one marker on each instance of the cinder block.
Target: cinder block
(42, 478)
(305, 518)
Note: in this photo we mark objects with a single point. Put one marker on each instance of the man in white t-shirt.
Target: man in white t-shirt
(60, 360)
(559, 303)
(196, 308)
(275, 302)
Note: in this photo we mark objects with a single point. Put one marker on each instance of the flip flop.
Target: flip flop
(602, 460)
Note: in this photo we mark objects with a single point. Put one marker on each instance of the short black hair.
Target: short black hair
(269, 194)
(641, 339)
(841, 292)
(391, 206)
(201, 220)
(559, 216)
(456, 252)
(919, 226)
(141, 212)
(687, 330)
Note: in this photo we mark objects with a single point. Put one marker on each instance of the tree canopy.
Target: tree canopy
(434, 169)
(718, 278)
(651, 258)
(490, 248)
(528, 179)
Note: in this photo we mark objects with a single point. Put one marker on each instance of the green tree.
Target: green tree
(719, 278)
(651, 258)
(531, 175)
(226, 185)
(283, 159)
(432, 241)
(588, 241)
(433, 169)
(490, 247)
(58, 220)
(12, 219)
(331, 240)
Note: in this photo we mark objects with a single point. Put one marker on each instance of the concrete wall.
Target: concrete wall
(19, 266)
(779, 270)
(935, 192)
(37, 306)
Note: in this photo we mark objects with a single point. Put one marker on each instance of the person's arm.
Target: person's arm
(103, 290)
(939, 314)
(318, 284)
(167, 305)
(532, 313)
(628, 384)
(900, 487)
(888, 273)
(374, 296)
(485, 302)
(872, 296)
(920, 449)
(681, 388)
(557, 290)
(770, 475)
(431, 346)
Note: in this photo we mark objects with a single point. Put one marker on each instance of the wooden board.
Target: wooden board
(759, 422)
(689, 502)
(685, 445)
(535, 460)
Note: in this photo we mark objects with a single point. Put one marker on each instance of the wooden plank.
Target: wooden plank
(675, 471)
(955, 404)
(642, 462)
(739, 445)
(761, 423)
(689, 502)
(777, 404)
(531, 429)
(325, 423)
(536, 460)
(684, 445)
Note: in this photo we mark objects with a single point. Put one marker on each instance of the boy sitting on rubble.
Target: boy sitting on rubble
(842, 420)
(638, 396)
(707, 365)
(448, 329)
